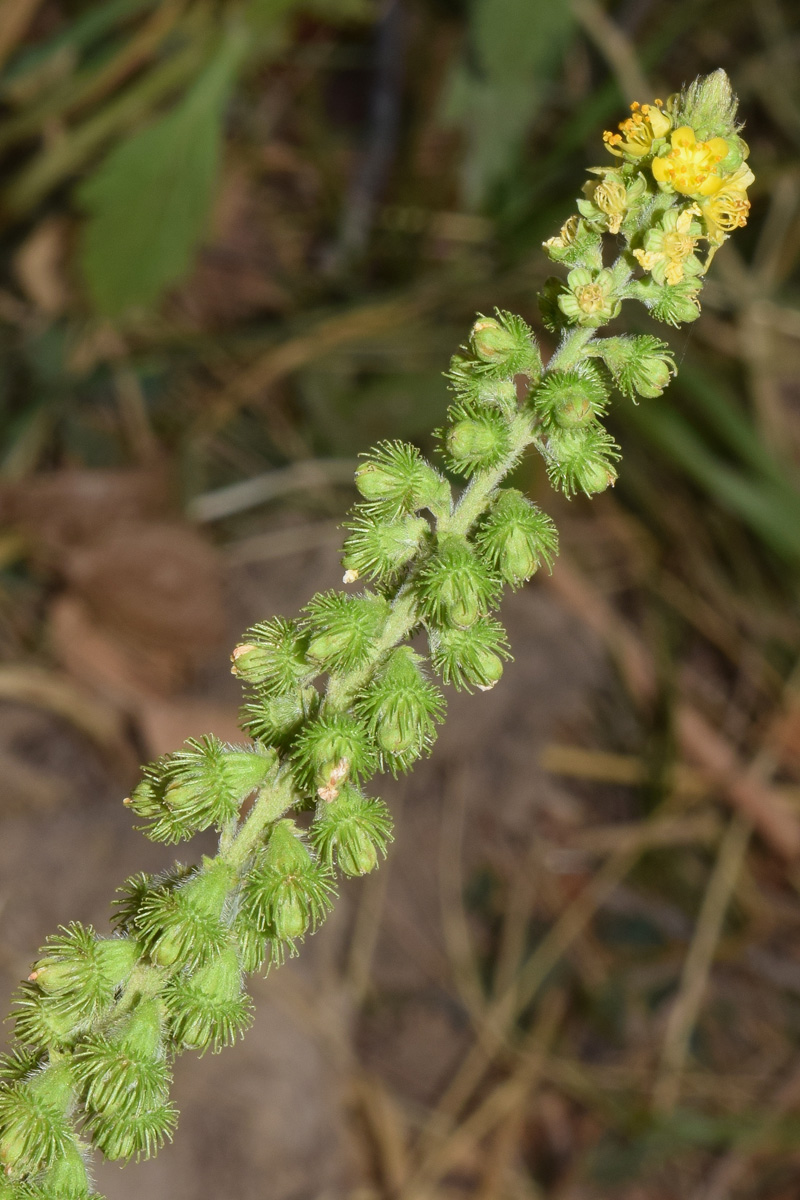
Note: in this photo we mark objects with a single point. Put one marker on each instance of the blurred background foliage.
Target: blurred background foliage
(239, 244)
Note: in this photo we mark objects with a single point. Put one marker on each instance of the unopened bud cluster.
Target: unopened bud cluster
(337, 693)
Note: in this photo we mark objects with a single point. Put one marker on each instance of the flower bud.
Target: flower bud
(454, 585)
(641, 365)
(396, 479)
(81, 971)
(709, 106)
(517, 537)
(470, 382)
(42, 1022)
(133, 1136)
(34, 1132)
(273, 656)
(66, 1179)
(505, 344)
(401, 708)
(274, 720)
(581, 460)
(477, 439)
(287, 891)
(323, 744)
(352, 831)
(202, 785)
(125, 1073)
(570, 399)
(674, 303)
(344, 628)
(183, 925)
(379, 549)
(209, 1007)
(470, 657)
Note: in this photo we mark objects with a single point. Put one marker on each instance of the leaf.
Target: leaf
(514, 50)
(149, 201)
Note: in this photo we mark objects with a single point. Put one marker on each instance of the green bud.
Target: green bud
(581, 460)
(287, 891)
(474, 386)
(477, 439)
(455, 586)
(344, 628)
(641, 365)
(470, 657)
(273, 656)
(126, 1073)
(183, 925)
(517, 537)
(674, 303)
(137, 1136)
(34, 1132)
(334, 744)
(491, 342)
(250, 942)
(276, 719)
(202, 785)
(709, 106)
(209, 1008)
(396, 480)
(41, 1021)
(80, 971)
(352, 831)
(67, 1179)
(570, 399)
(380, 549)
(401, 709)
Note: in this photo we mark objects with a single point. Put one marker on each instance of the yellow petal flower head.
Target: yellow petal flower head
(728, 208)
(646, 124)
(690, 167)
(668, 252)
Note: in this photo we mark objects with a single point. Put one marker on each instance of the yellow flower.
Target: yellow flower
(641, 129)
(668, 252)
(690, 167)
(566, 235)
(610, 197)
(727, 208)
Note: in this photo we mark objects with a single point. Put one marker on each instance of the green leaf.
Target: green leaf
(514, 50)
(149, 201)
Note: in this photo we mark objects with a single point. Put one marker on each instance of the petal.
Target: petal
(719, 147)
(660, 170)
(710, 185)
(684, 136)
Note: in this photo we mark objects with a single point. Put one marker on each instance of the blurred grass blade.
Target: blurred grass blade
(149, 201)
(515, 48)
(771, 509)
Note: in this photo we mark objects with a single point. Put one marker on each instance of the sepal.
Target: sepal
(471, 657)
(351, 832)
(401, 709)
(516, 537)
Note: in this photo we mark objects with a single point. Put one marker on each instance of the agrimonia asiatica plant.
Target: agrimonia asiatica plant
(337, 694)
